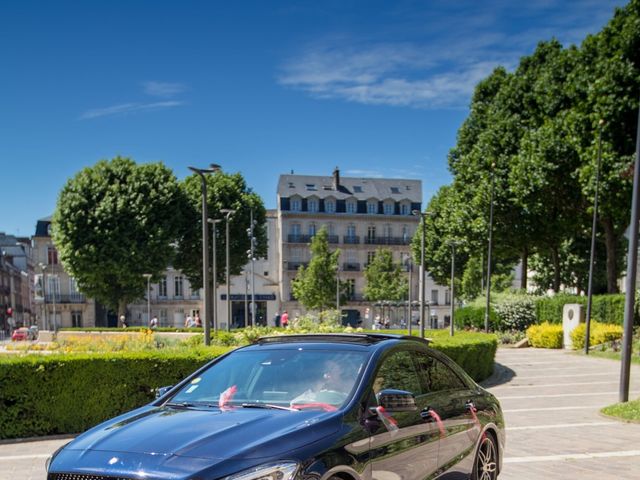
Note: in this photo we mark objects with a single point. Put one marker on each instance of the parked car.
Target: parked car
(293, 407)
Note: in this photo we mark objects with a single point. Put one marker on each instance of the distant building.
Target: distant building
(361, 216)
(16, 278)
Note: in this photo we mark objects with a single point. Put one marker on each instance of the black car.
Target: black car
(321, 407)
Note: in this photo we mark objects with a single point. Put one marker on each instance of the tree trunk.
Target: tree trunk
(525, 267)
(556, 269)
(122, 311)
(612, 264)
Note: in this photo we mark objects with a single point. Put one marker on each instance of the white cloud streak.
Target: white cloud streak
(128, 108)
(163, 89)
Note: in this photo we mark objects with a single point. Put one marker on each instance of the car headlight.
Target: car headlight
(270, 471)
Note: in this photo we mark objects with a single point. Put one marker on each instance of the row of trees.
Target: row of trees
(316, 286)
(118, 220)
(533, 134)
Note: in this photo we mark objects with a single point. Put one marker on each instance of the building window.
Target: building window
(296, 205)
(73, 285)
(371, 232)
(350, 288)
(404, 209)
(76, 319)
(434, 297)
(179, 286)
(163, 317)
(351, 231)
(312, 229)
(405, 233)
(388, 231)
(329, 206)
(311, 187)
(352, 207)
(388, 208)
(312, 205)
(54, 286)
(370, 257)
(52, 256)
(372, 207)
(447, 297)
(162, 287)
(357, 188)
(294, 229)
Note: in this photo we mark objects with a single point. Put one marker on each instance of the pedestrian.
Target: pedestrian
(153, 323)
(284, 319)
(197, 322)
(123, 321)
(276, 319)
(188, 322)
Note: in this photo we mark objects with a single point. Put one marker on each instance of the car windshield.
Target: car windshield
(287, 378)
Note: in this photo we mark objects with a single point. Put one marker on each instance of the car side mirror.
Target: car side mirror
(396, 400)
(162, 390)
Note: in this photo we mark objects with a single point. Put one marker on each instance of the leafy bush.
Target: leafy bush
(545, 335)
(510, 337)
(599, 333)
(516, 314)
(473, 317)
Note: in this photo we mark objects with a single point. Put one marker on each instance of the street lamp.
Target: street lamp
(251, 254)
(148, 277)
(45, 320)
(205, 248)
(486, 312)
(423, 216)
(338, 286)
(453, 244)
(593, 242)
(228, 212)
(214, 286)
(410, 300)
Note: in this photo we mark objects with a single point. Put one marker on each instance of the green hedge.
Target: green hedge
(604, 308)
(56, 394)
(473, 317)
(132, 329)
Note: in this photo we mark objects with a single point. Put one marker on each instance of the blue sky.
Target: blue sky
(378, 88)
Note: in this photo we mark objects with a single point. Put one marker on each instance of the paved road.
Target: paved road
(551, 401)
(554, 430)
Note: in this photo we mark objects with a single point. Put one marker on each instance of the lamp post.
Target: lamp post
(205, 248)
(214, 273)
(486, 312)
(251, 253)
(45, 320)
(148, 277)
(453, 244)
(593, 242)
(228, 212)
(410, 295)
(423, 216)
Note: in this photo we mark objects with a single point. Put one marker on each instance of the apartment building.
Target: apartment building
(361, 216)
(16, 276)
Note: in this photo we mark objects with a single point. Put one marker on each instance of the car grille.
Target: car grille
(81, 476)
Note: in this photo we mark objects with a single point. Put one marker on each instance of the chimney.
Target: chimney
(336, 178)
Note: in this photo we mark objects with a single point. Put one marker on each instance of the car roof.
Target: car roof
(365, 339)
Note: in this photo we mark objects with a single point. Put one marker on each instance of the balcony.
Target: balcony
(66, 298)
(334, 239)
(351, 267)
(299, 238)
(294, 266)
(351, 239)
(387, 240)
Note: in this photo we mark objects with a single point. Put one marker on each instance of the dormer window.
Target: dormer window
(388, 208)
(357, 189)
(372, 207)
(395, 190)
(311, 187)
(296, 205)
(351, 206)
(312, 205)
(404, 209)
(330, 206)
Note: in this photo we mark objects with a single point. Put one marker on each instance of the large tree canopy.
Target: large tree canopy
(224, 191)
(113, 223)
(385, 279)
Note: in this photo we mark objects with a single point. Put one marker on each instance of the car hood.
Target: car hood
(209, 433)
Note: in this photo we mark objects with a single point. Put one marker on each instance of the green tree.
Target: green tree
(385, 279)
(223, 191)
(113, 223)
(315, 285)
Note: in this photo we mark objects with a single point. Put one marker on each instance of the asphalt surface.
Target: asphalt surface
(550, 399)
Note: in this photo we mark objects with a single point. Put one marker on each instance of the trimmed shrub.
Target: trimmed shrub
(474, 352)
(545, 335)
(605, 308)
(599, 333)
(516, 313)
(473, 317)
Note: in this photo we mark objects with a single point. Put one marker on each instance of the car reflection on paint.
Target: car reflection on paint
(334, 406)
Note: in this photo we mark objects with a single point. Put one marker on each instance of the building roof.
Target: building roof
(42, 227)
(358, 187)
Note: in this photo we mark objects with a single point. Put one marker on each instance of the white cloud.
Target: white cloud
(127, 108)
(163, 89)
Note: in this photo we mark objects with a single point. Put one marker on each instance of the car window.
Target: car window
(287, 377)
(397, 372)
(435, 375)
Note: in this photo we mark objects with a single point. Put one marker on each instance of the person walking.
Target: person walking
(276, 319)
(284, 319)
(153, 324)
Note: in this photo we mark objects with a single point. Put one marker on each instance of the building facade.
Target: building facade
(361, 216)
(16, 277)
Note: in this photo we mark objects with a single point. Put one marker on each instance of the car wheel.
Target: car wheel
(485, 466)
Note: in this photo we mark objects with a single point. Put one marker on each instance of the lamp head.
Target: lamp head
(415, 212)
(213, 221)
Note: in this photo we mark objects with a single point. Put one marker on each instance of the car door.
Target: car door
(409, 449)
(451, 404)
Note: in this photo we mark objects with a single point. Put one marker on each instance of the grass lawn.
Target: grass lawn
(614, 356)
(629, 411)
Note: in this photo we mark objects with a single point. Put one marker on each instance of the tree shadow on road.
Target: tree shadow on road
(501, 375)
